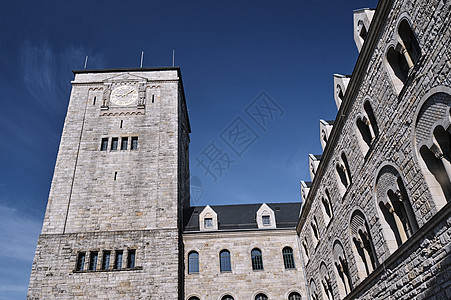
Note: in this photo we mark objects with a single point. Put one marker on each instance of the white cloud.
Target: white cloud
(18, 234)
(46, 72)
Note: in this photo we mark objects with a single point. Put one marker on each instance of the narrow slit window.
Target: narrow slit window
(122, 123)
(131, 258)
(153, 98)
(106, 260)
(124, 143)
(134, 143)
(114, 142)
(104, 144)
(93, 261)
(94, 101)
(115, 175)
(81, 261)
(118, 261)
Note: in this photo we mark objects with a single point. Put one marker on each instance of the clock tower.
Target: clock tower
(112, 227)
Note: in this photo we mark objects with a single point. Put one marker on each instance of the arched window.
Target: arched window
(193, 298)
(313, 291)
(224, 257)
(372, 119)
(433, 145)
(306, 253)
(367, 126)
(398, 64)
(288, 259)
(362, 245)
(294, 296)
(193, 262)
(257, 260)
(327, 207)
(326, 285)
(227, 297)
(261, 297)
(403, 57)
(395, 207)
(342, 270)
(315, 230)
(344, 173)
(410, 43)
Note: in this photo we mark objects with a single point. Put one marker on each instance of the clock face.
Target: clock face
(124, 95)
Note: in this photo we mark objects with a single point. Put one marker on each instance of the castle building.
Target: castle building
(375, 216)
(376, 219)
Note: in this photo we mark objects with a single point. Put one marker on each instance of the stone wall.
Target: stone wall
(117, 199)
(53, 273)
(396, 113)
(242, 282)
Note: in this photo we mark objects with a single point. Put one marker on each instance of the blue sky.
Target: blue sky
(229, 53)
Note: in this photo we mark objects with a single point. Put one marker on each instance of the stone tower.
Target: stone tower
(112, 227)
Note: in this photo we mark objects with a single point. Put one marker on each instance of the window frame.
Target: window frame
(193, 263)
(257, 259)
(288, 258)
(81, 261)
(119, 256)
(225, 263)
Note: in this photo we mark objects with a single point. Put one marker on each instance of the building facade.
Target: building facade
(375, 218)
(114, 216)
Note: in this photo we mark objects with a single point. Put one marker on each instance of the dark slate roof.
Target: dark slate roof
(331, 122)
(318, 157)
(242, 216)
(308, 183)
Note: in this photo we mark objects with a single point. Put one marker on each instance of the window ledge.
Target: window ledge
(109, 270)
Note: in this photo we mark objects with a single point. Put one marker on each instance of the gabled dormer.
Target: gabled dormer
(362, 21)
(265, 217)
(340, 85)
(313, 162)
(325, 128)
(208, 219)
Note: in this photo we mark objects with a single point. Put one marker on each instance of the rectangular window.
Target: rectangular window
(104, 144)
(93, 261)
(134, 143)
(114, 142)
(131, 258)
(118, 261)
(106, 260)
(81, 261)
(266, 220)
(208, 222)
(124, 143)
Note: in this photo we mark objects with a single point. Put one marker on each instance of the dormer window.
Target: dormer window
(266, 220)
(208, 222)
(208, 219)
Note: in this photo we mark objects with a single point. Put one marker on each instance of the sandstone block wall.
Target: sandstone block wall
(396, 114)
(242, 282)
(117, 199)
